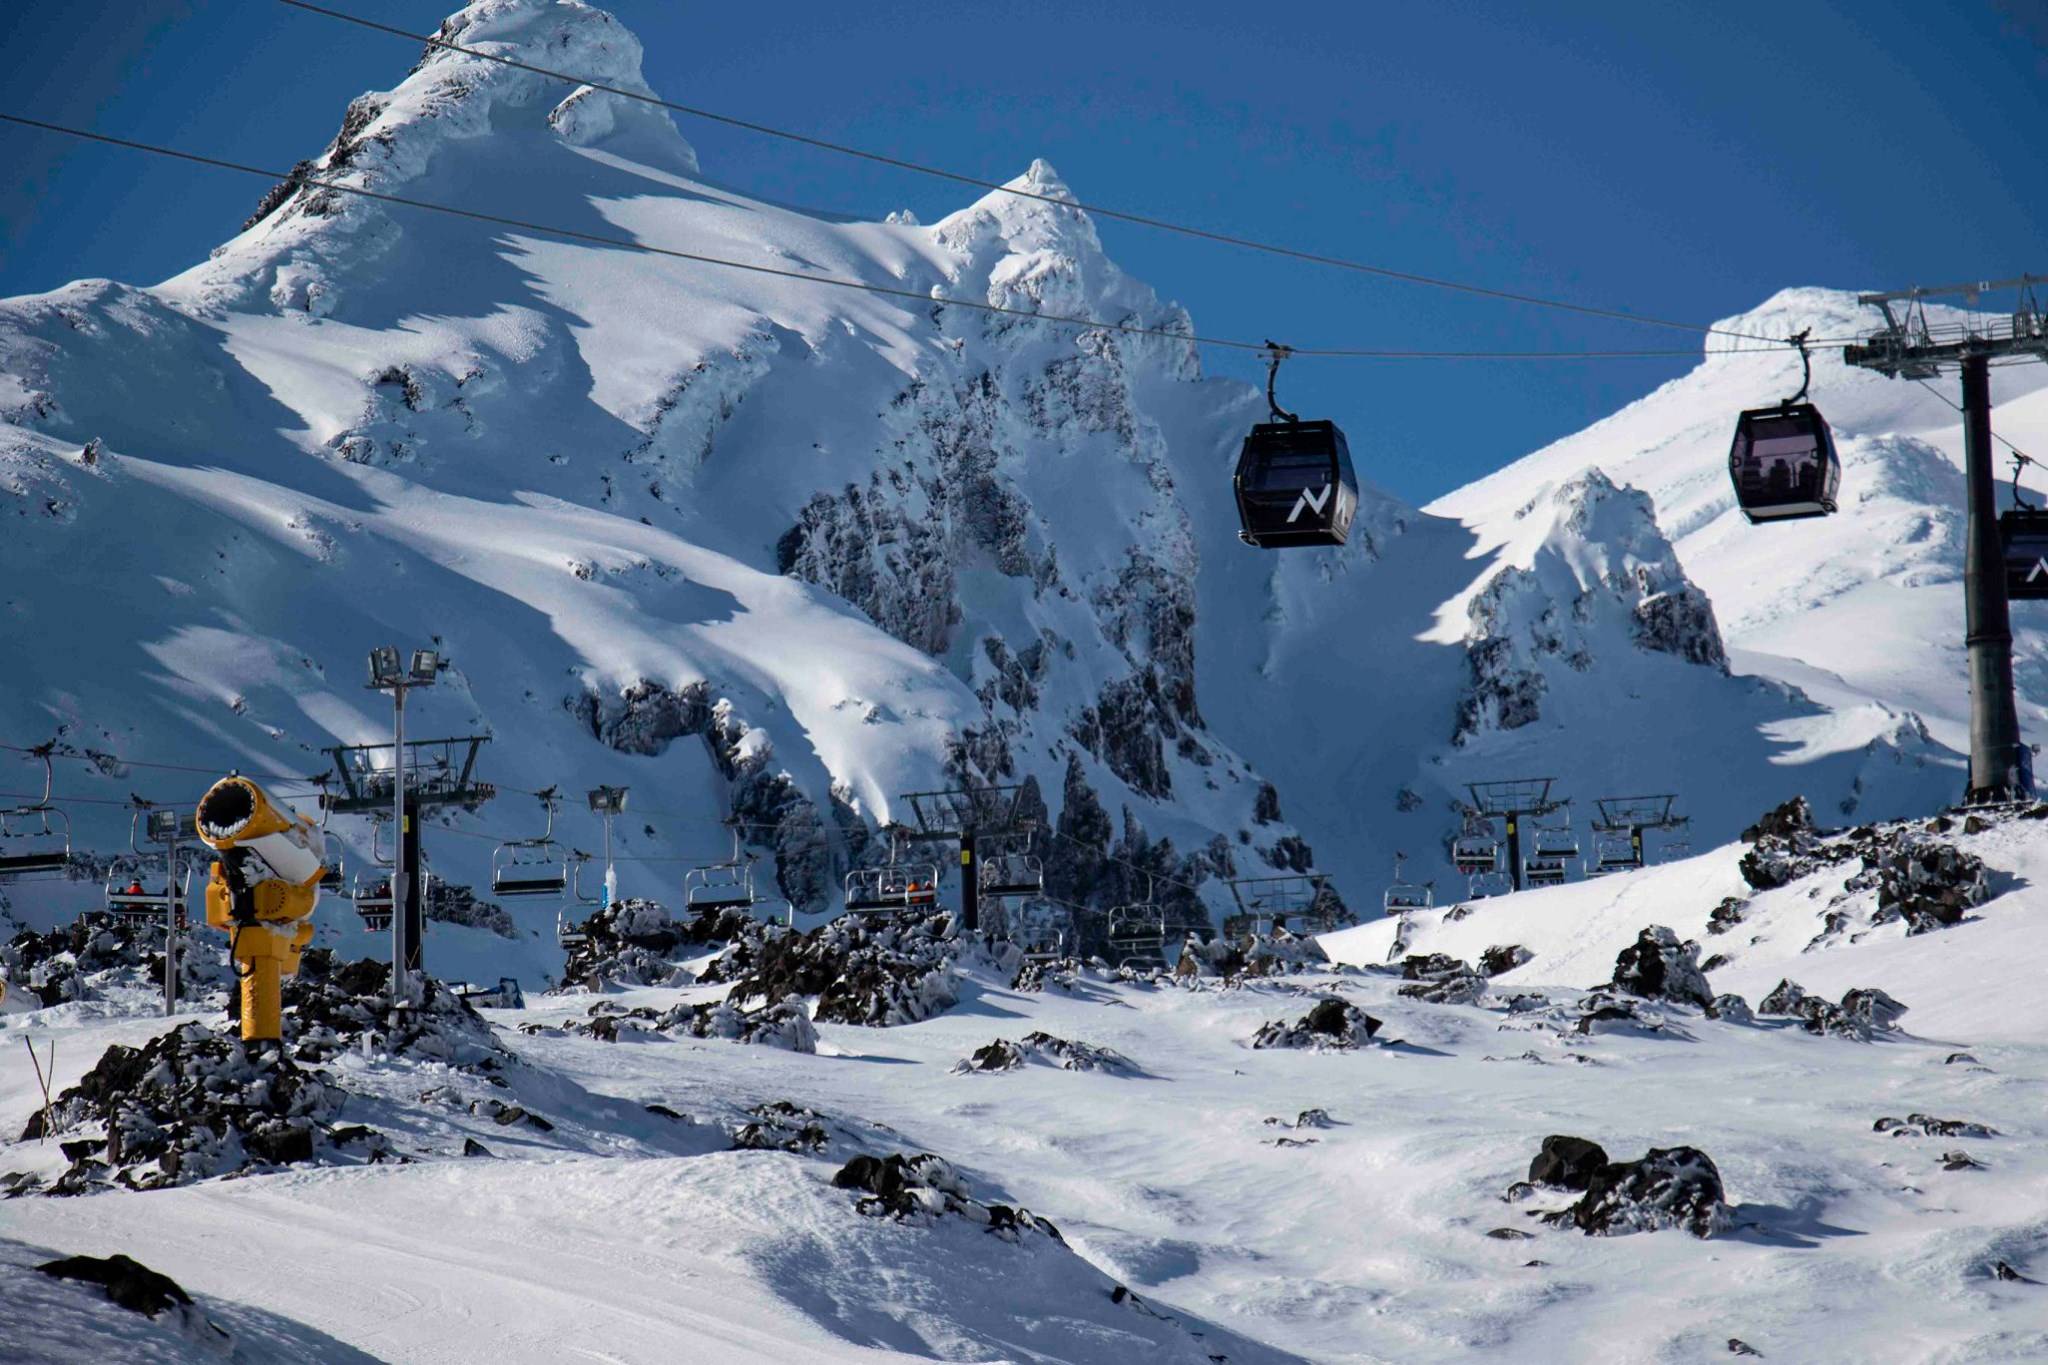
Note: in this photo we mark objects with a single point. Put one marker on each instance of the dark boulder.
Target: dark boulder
(1657, 966)
(1568, 1163)
(1670, 1187)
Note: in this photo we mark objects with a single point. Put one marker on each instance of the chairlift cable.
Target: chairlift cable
(923, 299)
(978, 182)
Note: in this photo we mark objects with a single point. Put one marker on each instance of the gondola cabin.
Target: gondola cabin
(1295, 485)
(1783, 463)
(2024, 532)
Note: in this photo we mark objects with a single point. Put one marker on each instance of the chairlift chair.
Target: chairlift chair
(1541, 871)
(1041, 929)
(371, 893)
(1486, 885)
(1475, 854)
(1613, 851)
(45, 849)
(1783, 460)
(141, 897)
(531, 867)
(721, 886)
(1294, 481)
(893, 886)
(1137, 931)
(1402, 897)
(1012, 873)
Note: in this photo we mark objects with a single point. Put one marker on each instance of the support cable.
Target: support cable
(977, 182)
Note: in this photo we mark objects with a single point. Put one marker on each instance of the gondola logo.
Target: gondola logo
(2039, 570)
(1314, 502)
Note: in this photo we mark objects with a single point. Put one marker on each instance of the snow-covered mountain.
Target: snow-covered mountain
(853, 547)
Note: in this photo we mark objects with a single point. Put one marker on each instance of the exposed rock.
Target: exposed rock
(1737, 1346)
(872, 970)
(1333, 1023)
(1925, 1125)
(332, 1007)
(1670, 1187)
(635, 942)
(1657, 966)
(1503, 957)
(1862, 1013)
(1568, 1163)
(446, 904)
(1003, 1055)
(781, 1126)
(1462, 988)
(1726, 915)
(923, 1188)
(1730, 1009)
(785, 1024)
(192, 1104)
(1433, 967)
(1960, 1161)
(134, 1286)
(1508, 1235)
(1927, 883)
(100, 955)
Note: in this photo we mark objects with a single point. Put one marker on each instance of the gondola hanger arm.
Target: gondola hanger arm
(1275, 353)
(1805, 367)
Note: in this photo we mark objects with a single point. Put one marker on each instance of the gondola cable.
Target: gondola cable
(924, 299)
(978, 182)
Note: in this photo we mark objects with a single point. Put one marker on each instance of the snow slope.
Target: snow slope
(1368, 1243)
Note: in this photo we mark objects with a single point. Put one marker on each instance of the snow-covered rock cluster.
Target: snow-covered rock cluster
(192, 1104)
(1334, 1024)
(875, 970)
(1043, 1049)
(97, 956)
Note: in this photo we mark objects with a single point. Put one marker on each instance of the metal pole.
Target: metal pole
(171, 927)
(611, 881)
(398, 862)
(1998, 767)
(412, 871)
(970, 882)
(1515, 848)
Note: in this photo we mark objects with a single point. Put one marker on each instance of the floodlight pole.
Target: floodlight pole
(171, 899)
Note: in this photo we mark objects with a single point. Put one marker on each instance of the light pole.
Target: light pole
(387, 676)
(608, 802)
(167, 827)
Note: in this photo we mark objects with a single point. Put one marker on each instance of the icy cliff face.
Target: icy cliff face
(777, 552)
(1598, 576)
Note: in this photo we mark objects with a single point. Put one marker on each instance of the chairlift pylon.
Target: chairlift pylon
(1294, 481)
(1783, 460)
(2023, 537)
(44, 851)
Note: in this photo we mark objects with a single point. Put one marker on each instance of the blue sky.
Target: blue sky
(1685, 161)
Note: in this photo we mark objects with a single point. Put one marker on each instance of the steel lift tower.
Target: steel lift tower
(1910, 347)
